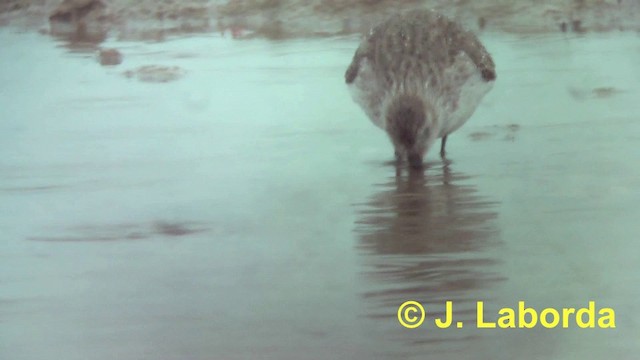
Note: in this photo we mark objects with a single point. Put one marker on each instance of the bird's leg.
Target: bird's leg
(443, 143)
(398, 155)
(415, 160)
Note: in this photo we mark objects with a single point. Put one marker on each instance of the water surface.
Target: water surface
(248, 210)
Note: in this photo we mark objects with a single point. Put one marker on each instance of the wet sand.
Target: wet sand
(247, 209)
(280, 19)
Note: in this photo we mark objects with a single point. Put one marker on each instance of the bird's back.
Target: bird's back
(421, 44)
(425, 54)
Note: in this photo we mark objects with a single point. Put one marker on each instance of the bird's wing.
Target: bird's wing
(352, 70)
(478, 54)
(361, 54)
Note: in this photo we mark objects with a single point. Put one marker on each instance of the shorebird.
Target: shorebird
(419, 77)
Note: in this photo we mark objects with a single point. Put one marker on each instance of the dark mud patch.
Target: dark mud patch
(23, 189)
(175, 229)
(109, 57)
(480, 135)
(125, 232)
(513, 127)
(155, 73)
(511, 130)
(508, 133)
(603, 92)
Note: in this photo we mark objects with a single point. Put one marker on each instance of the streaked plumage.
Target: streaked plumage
(419, 77)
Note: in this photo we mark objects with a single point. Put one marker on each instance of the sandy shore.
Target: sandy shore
(289, 18)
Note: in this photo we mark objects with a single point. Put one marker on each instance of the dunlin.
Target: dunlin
(419, 77)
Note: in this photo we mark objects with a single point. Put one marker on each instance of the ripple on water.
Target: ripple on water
(428, 237)
(124, 232)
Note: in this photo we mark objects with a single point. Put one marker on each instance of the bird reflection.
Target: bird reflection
(427, 237)
(420, 214)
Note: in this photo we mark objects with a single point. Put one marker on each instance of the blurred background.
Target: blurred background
(289, 18)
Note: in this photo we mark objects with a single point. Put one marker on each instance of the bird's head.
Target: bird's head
(409, 120)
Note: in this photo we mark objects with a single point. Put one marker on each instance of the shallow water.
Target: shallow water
(248, 210)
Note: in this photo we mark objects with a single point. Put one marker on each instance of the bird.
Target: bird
(419, 76)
